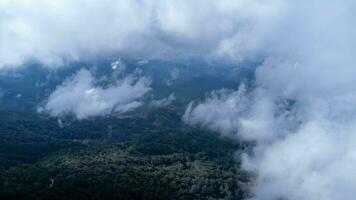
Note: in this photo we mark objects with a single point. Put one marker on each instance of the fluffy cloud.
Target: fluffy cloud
(79, 96)
(165, 101)
(302, 109)
(59, 30)
(315, 162)
(243, 115)
(118, 65)
(219, 112)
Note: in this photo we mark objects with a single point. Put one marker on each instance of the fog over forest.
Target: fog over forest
(245, 99)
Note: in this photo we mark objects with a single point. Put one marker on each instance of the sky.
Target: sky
(300, 109)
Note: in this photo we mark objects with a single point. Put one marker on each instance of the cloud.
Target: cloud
(58, 31)
(315, 162)
(79, 96)
(242, 114)
(301, 110)
(118, 65)
(165, 101)
(173, 75)
(219, 112)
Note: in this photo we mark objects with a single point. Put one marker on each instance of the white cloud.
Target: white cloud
(118, 65)
(219, 112)
(302, 110)
(59, 30)
(165, 101)
(243, 115)
(314, 162)
(79, 96)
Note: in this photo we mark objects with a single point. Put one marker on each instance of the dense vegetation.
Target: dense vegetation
(147, 155)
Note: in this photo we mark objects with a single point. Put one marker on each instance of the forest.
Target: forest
(151, 155)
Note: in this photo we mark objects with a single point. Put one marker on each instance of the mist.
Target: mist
(301, 109)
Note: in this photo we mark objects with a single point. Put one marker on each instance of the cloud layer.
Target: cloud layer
(79, 96)
(54, 32)
(302, 110)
